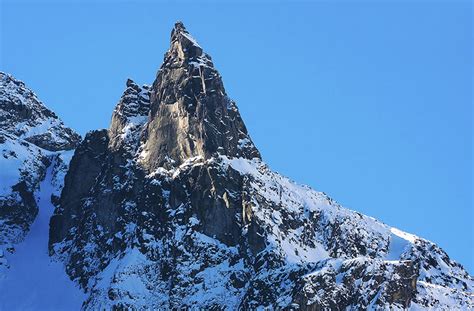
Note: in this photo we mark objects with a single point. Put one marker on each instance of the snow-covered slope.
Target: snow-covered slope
(35, 150)
(30, 137)
(22, 168)
(172, 207)
(33, 281)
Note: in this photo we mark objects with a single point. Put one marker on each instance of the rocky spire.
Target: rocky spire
(183, 44)
(129, 115)
(191, 114)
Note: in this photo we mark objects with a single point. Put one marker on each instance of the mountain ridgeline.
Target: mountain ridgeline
(172, 207)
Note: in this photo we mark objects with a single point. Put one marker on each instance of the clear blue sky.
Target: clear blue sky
(370, 103)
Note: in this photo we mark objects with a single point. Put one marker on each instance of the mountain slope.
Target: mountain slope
(172, 207)
(30, 136)
(35, 149)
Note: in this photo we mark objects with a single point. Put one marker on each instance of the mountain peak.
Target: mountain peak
(184, 49)
(178, 28)
(129, 115)
(181, 34)
(190, 112)
(130, 83)
(171, 208)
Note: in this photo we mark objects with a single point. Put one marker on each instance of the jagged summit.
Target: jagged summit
(183, 43)
(186, 113)
(130, 83)
(184, 50)
(129, 115)
(191, 114)
(134, 102)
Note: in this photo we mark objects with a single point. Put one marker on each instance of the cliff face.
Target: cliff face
(191, 114)
(172, 207)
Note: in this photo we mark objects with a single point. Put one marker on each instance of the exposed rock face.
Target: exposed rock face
(172, 207)
(31, 137)
(191, 114)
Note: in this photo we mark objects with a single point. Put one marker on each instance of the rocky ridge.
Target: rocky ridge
(173, 207)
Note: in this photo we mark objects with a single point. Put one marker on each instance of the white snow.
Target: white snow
(244, 142)
(34, 281)
(399, 243)
(41, 127)
(397, 247)
(19, 160)
(124, 273)
(295, 253)
(406, 236)
(446, 298)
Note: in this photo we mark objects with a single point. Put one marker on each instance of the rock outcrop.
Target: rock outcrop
(172, 207)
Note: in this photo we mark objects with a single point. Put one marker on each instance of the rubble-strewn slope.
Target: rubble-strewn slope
(172, 207)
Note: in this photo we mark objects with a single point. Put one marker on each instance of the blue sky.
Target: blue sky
(370, 102)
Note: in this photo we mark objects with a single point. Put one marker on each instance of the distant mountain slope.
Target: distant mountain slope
(172, 207)
(32, 137)
(23, 115)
